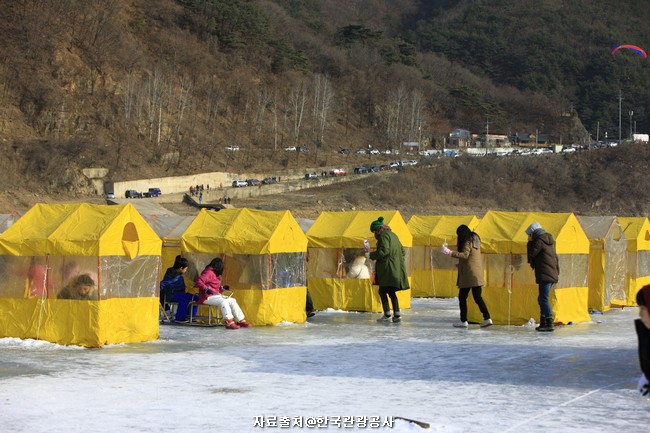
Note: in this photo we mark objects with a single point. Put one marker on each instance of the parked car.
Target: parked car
(360, 170)
(253, 182)
(311, 175)
(290, 148)
(152, 192)
(338, 172)
(110, 195)
(239, 183)
(361, 152)
(269, 180)
(303, 149)
(232, 148)
(344, 151)
(374, 152)
(131, 193)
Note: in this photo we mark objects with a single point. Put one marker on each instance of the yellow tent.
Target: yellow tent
(335, 241)
(607, 255)
(637, 232)
(264, 260)
(52, 246)
(510, 291)
(433, 273)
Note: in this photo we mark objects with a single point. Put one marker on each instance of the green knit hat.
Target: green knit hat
(376, 224)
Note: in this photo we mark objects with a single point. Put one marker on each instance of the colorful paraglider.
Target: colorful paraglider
(630, 47)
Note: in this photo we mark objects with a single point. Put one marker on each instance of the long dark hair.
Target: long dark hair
(464, 234)
(217, 266)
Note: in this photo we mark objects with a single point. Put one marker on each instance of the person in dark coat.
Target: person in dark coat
(544, 261)
(642, 325)
(172, 288)
(390, 268)
(470, 273)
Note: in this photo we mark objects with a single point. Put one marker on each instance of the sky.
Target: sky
(343, 368)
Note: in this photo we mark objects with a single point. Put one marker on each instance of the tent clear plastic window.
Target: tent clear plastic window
(47, 277)
(124, 278)
(643, 263)
(256, 271)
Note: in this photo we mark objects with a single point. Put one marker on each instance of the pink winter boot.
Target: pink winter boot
(230, 324)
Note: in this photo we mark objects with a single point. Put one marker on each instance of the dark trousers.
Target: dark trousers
(309, 305)
(384, 294)
(184, 300)
(463, 293)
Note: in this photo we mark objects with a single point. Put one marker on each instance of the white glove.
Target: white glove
(445, 250)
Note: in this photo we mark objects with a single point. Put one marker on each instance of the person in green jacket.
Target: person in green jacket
(390, 268)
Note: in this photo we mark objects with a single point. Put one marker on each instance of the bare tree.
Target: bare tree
(298, 101)
(322, 101)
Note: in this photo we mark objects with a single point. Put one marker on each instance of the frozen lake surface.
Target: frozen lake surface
(339, 365)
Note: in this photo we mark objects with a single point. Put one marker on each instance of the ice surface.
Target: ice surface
(581, 378)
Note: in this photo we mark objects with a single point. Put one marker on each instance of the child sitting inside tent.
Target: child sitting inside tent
(79, 288)
(211, 293)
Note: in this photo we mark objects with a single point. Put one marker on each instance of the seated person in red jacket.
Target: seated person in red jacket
(211, 293)
(172, 288)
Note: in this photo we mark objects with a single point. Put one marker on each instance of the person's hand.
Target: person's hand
(445, 250)
(366, 246)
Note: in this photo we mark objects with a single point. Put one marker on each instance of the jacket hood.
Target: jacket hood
(476, 240)
(546, 238)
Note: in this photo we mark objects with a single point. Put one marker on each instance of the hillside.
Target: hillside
(153, 88)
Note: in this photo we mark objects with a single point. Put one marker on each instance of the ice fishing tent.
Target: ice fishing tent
(335, 241)
(607, 261)
(434, 274)
(52, 245)
(170, 228)
(264, 259)
(637, 232)
(510, 290)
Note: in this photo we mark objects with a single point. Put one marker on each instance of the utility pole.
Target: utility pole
(620, 111)
(487, 133)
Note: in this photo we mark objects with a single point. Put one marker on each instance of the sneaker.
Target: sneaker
(486, 323)
(460, 325)
(244, 324)
(230, 324)
(384, 318)
(397, 319)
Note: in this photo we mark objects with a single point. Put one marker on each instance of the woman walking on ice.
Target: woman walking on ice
(470, 273)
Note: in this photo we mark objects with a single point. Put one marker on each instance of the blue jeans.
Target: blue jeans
(542, 299)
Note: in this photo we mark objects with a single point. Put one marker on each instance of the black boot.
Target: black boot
(542, 321)
(547, 326)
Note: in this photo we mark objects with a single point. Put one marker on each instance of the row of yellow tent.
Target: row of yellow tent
(270, 262)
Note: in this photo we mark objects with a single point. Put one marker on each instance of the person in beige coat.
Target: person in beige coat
(470, 273)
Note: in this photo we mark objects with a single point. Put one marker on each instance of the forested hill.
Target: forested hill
(160, 87)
